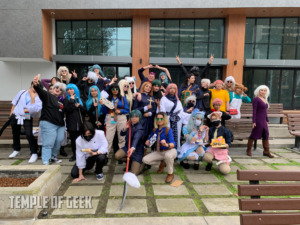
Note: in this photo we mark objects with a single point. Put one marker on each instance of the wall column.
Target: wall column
(140, 45)
(234, 45)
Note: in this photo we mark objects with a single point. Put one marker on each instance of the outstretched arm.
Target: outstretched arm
(181, 66)
(165, 70)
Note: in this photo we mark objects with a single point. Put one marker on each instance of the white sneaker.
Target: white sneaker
(14, 154)
(33, 158)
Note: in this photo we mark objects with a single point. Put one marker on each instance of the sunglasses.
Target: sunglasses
(58, 88)
(229, 81)
(115, 89)
(64, 71)
(131, 83)
(159, 119)
(126, 86)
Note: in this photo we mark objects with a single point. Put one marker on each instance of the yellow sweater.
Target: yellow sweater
(221, 94)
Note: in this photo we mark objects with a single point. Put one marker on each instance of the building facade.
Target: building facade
(257, 42)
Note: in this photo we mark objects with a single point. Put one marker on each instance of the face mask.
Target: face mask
(88, 138)
(198, 122)
(190, 105)
(216, 123)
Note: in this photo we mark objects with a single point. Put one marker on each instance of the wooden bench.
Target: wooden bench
(258, 205)
(294, 127)
(275, 111)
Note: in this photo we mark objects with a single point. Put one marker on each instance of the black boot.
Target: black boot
(196, 166)
(73, 158)
(185, 165)
(208, 167)
(62, 151)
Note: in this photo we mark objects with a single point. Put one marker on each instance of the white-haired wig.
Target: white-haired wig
(58, 74)
(190, 98)
(207, 81)
(129, 80)
(256, 92)
(62, 86)
(92, 76)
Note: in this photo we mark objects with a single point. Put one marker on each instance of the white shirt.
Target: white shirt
(97, 142)
(25, 102)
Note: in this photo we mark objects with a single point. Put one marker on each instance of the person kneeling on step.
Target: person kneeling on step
(165, 146)
(91, 148)
(220, 139)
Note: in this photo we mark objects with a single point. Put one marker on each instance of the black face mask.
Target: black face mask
(190, 105)
(216, 123)
(88, 138)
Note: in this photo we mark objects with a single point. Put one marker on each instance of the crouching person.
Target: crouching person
(91, 148)
(220, 139)
(165, 146)
(136, 151)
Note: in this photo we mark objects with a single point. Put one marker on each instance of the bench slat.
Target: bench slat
(268, 175)
(268, 189)
(270, 218)
(269, 204)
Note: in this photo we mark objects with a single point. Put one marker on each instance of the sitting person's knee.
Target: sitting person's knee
(224, 168)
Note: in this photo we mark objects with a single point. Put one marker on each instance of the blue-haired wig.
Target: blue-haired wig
(89, 102)
(96, 66)
(166, 77)
(76, 91)
(193, 117)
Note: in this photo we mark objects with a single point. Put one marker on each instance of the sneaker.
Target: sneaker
(100, 176)
(33, 158)
(55, 160)
(14, 154)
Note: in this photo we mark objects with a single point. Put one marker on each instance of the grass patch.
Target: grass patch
(17, 162)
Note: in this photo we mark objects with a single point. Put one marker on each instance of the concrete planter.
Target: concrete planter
(47, 184)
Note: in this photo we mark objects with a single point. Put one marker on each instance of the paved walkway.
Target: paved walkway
(203, 198)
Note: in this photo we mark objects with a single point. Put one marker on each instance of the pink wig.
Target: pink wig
(217, 101)
(218, 82)
(176, 92)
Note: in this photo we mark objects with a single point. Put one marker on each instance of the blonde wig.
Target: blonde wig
(128, 96)
(58, 74)
(166, 121)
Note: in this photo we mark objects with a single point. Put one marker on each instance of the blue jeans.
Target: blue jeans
(52, 137)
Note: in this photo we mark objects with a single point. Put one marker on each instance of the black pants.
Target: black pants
(16, 131)
(73, 136)
(90, 162)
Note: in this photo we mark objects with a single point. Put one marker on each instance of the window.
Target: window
(272, 38)
(189, 38)
(283, 83)
(95, 37)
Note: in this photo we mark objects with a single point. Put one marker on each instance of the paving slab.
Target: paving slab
(224, 220)
(160, 178)
(120, 169)
(212, 189)
(90, 179)
(118, 178)
(232, 178)
(258, 167)
(68, 163)
(288, 168)
(76, 211)
(154, 168)
(295, 160)
(6, 162)
(64, 178)
(169, 190)
(290, 155)
(37, 162)
(176, 205)
(117, 190)
(233, 168)
(17, 222)
(185, 220)
(275, 160)
(278, 150)
(66, 169)
(203, 178)
(84, 191)
(221, 204)
(248, 161)
(130, 206)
